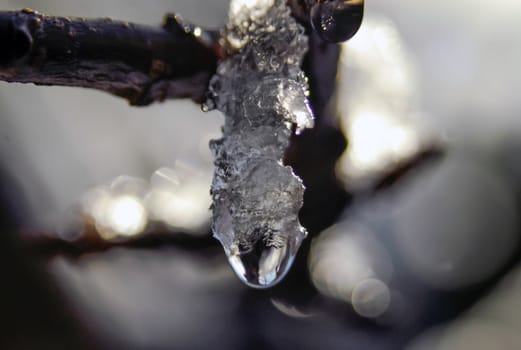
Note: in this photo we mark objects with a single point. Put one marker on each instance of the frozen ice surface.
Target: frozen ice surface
(262, 92)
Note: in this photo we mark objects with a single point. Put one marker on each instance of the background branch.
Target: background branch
(142, 64)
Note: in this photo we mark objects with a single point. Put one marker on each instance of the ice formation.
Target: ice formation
(262, 91)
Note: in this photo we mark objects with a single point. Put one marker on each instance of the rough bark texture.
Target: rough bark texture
(142, 64)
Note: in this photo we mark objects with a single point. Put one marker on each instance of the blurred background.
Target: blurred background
(431, 262)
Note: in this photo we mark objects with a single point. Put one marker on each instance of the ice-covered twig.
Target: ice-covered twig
(262, 91)
(142, 64)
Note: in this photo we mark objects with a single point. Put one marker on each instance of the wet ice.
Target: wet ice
(262, 92)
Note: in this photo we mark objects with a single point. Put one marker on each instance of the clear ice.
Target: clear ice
(262, 92)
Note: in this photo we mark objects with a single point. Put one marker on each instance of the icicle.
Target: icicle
(261, 90)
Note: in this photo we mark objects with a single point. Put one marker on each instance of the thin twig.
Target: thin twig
(142, 64)
(46, 245)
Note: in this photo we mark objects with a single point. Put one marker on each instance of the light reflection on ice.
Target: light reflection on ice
(253, 8)
(244, 13)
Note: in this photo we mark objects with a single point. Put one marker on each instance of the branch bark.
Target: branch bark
(146, 64)
(142, 64)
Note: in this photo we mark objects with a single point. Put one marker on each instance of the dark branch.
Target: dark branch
(46, 245)
(300, 10)
(139, 63)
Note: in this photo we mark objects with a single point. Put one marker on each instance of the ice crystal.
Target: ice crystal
(261, 90)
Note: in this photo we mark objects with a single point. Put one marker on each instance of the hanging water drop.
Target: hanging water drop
(209, 104)
(337, 20)
(255, 216)
(263, 266)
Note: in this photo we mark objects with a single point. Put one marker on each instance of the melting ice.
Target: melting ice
(261, 90)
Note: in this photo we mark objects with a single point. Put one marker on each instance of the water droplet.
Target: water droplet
(337, 20)
(264, 266)
(209, 104)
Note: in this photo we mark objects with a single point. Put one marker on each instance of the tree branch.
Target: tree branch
(142, 64)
